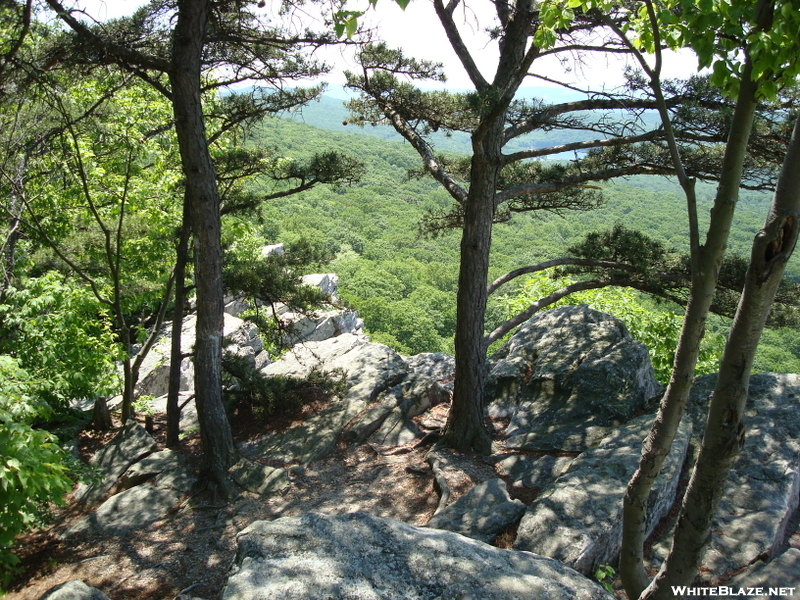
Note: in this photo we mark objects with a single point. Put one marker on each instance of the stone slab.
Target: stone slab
(578, 519)
(135, 508)
(131, 443)
(259, 479)
(763, 487)
(358, 556)
(781, 572)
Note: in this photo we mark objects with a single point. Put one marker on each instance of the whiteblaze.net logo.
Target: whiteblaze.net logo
(722, 590)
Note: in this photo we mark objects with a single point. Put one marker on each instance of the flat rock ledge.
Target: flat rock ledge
(578, 519)
(362, 557)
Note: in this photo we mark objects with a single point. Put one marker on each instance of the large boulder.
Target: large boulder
(129, 445)
(358, 556)
(578, 519)
(567, 377)
(763, 486)
(369, 369)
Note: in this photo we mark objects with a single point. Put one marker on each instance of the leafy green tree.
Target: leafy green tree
(32, 471)
(175, 48)
(752, 48)
(61, 335)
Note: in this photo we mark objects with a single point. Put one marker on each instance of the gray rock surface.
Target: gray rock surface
(131, 443)
(154, 372)
(370, 369)
(319, 326)
(578, 519)
(482, 513)
(763, 486)
(782, 571)
(73, 590)
(361, 557)
(428, 382)
(165, 469)
(527, 471)
(259, 479)
(135, 508)
(567, 377)
(328, 283)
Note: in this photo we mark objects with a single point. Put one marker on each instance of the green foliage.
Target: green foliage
(604, 575)
(61, 334)
(717, 30)
(32, 471)
(658, 327)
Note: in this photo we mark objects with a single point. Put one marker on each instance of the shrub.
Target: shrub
(32, 470)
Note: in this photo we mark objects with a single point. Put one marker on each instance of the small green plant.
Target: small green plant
(143, 405)
(604, 574)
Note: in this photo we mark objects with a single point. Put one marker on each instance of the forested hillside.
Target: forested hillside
(403, 282)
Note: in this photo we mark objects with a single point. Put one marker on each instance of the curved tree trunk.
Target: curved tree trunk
(724, 434)
(202, 197)
(704, 282)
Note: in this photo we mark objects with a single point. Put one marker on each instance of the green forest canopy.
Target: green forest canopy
(404, 283)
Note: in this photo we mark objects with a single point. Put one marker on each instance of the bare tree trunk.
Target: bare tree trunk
(176, 355)
(724, 434)
(704, 281)
(465, 428)
(203, 200)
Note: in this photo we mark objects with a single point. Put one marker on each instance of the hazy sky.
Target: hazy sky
(418, 32)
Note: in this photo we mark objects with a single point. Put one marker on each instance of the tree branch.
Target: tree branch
(558, 262)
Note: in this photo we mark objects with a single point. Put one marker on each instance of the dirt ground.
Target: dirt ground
(192, 548)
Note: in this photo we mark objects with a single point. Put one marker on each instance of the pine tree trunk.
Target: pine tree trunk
(203, 200)
(465, 428)
(176, 354)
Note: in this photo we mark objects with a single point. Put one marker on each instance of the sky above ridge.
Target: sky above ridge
(418, 32)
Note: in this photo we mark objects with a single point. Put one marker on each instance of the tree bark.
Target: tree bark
(704, 281)
(202, 197)
(465, 428)
(176, 354)
(724, 434)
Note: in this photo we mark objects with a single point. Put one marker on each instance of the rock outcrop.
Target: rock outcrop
(578, 519)
(130, 444)
(361, 557)
(482, 513)
(763, 486)
(567, 377)
(369, 369)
